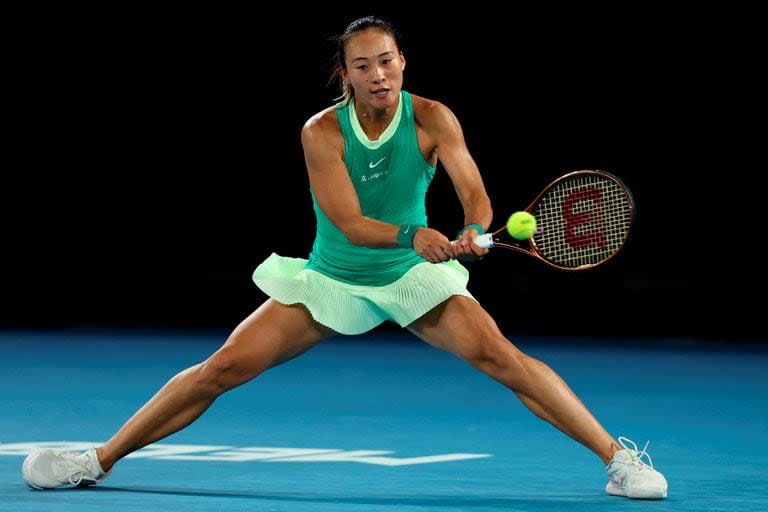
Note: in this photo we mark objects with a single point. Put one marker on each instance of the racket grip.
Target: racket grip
(485, 241)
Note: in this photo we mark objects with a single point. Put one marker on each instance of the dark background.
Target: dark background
(145, 149)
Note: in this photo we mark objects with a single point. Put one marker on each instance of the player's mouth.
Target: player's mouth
(380, 92)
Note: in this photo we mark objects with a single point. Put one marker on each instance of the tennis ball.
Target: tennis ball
(521, 225)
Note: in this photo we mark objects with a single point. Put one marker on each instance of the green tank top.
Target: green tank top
(391, 178)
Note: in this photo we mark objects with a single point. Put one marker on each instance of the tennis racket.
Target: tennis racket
(582, 220)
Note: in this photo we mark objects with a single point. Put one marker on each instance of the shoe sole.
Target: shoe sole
(615, 490)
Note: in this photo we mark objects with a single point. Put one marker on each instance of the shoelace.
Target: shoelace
(638, 454)
(72, 469)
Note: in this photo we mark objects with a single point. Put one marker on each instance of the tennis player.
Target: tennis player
(370, 159)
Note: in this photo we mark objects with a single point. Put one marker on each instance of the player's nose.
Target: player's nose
(377, 77)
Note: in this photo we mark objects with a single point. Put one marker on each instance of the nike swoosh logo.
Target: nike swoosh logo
(371, 165)
(407, 229)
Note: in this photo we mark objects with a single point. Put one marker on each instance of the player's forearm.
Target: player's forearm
(369, 232)
(477, 210)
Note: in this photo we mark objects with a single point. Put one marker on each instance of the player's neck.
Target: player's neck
(368, 115)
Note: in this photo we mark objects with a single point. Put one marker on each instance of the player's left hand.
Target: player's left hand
(466, 249)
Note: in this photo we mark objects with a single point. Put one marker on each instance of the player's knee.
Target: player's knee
(484, 353)
(219, 373)
(498, 358)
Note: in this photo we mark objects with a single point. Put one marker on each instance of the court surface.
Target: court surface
(386, 423)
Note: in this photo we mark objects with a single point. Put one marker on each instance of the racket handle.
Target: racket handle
(485, 241)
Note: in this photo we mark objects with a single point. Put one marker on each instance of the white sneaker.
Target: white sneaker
(47, 469)
(631, 477)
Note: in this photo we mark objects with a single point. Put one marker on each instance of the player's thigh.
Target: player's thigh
(461, 326)
(271, 335)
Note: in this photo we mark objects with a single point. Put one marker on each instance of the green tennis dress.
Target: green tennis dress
(351, 288)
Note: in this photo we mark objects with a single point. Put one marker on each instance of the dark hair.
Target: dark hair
(341, 42)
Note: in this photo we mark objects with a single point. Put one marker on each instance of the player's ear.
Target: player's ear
(402, 59)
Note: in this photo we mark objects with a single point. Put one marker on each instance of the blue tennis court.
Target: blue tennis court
(384, 422)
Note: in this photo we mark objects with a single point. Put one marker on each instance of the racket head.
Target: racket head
(583, 219)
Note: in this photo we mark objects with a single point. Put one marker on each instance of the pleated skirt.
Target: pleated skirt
(354, 309)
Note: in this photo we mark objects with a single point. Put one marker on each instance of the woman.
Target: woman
(370, 159)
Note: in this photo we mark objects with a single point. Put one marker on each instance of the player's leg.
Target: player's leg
(462, 327)
(271, 335)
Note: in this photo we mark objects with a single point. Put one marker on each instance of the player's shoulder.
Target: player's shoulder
(323, 124)
(426, 106)
(431, 113)
(322, 120)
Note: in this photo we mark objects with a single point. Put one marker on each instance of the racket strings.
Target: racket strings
(582, 221)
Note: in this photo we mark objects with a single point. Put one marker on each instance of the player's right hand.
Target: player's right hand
(433, 246)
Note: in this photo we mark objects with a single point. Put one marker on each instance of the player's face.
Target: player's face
(374, 68)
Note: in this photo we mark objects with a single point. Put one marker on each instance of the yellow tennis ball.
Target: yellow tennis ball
(521, 225)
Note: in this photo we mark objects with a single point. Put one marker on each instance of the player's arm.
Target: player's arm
(452, 152)
(336, 196)
(333, 189)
